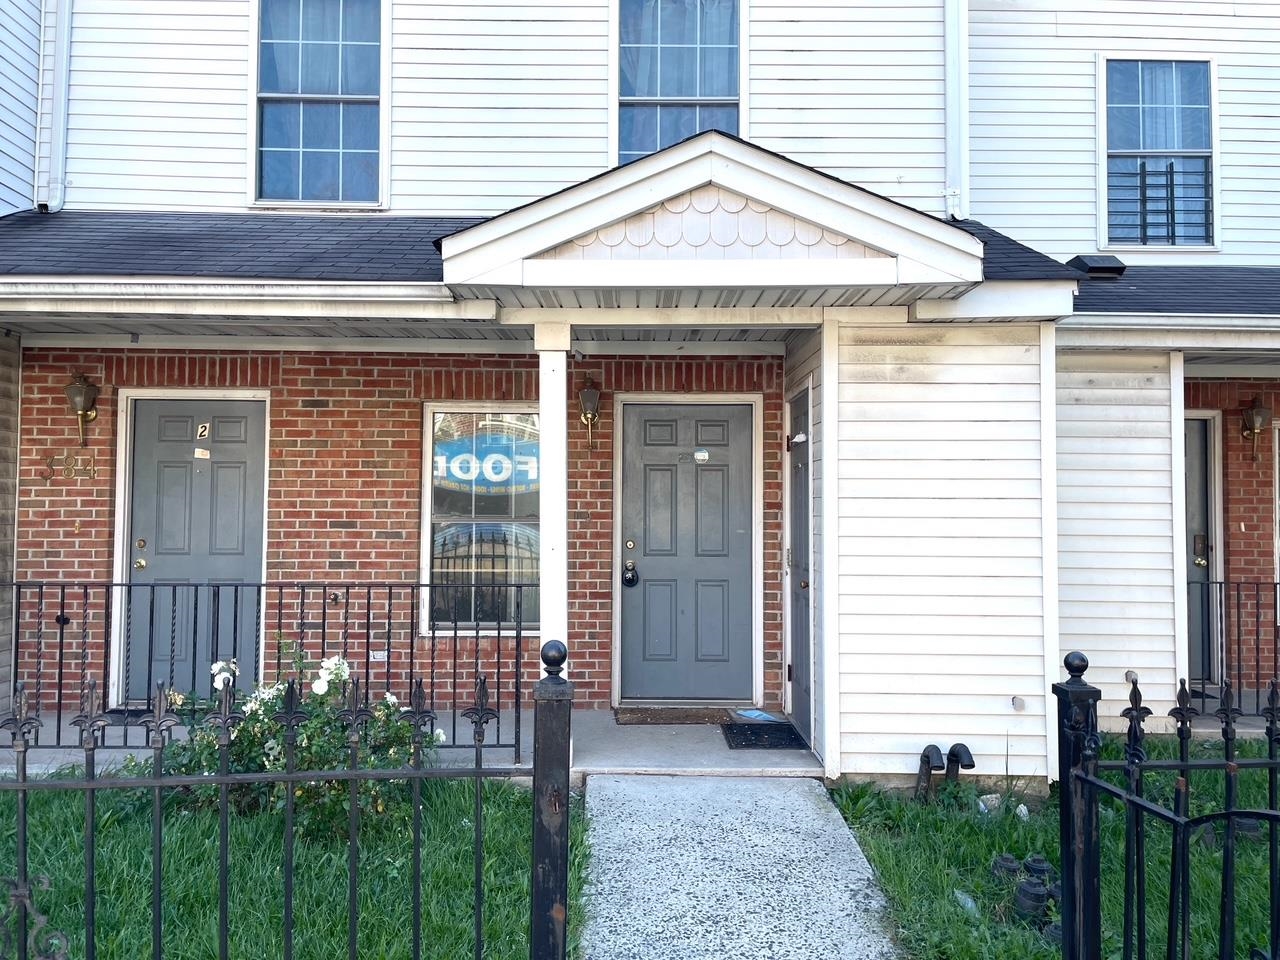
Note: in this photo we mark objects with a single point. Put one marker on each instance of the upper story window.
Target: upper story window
(1159, 152)
(679, 72)
(318, 84)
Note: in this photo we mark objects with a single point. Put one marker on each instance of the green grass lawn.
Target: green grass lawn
(256, 900)
(924, 854)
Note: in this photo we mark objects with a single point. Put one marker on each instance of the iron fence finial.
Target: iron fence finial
(1076, 663)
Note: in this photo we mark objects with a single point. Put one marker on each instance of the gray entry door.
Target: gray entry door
(798, 569)
(686, 614)
(195, 542)
(1201, 599)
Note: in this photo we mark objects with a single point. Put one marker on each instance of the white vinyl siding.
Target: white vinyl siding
(19, 65)
(495, 105)
(854, 89)
(803, 361)
(1115, 521)
(941, 532)
(1034, 128)
(160, 104)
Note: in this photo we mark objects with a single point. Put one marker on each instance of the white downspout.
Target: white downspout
(55, 188)
(956, 32)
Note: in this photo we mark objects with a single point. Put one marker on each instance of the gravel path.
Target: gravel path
(687, 868)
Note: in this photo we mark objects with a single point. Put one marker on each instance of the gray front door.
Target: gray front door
(798, 569)
(1201, 599)
(686, 503)
(195, 542)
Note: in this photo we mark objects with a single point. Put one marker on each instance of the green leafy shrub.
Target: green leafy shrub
(324, 730)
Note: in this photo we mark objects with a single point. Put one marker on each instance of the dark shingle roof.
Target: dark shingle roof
(1004, 258)
(1185, 289)
(271, 246)
(251, 246)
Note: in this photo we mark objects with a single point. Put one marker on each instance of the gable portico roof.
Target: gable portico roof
(910, 249)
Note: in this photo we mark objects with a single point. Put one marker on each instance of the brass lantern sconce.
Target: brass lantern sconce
(589, 404)
(1256, 419)
(83, 397)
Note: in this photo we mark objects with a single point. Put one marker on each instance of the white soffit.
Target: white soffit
(808, 220)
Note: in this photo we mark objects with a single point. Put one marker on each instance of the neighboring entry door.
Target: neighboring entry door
(195, 542)
(798, 569)
(686, 502)
(1200, 589)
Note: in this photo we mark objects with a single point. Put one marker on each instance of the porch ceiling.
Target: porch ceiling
(1231, 365)
(689, 298)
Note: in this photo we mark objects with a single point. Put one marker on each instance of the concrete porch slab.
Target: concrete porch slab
(602, 746)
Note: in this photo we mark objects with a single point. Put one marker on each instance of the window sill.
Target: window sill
(1158, 248)
(317, 206)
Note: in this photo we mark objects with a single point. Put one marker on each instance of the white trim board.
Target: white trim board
(756, 402)
(125, 398)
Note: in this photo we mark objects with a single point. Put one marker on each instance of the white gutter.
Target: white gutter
(257, 298)
(956, 33)
(55, 185)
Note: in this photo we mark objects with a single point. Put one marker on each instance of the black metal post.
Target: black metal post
(552, 707)
(1081, 895)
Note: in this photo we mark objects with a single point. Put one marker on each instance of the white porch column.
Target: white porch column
(551, 340)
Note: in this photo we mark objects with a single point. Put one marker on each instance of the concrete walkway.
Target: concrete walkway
(726, 868)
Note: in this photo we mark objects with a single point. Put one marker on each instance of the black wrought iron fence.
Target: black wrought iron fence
(1235, 637)
(283, 790)
(1185, 826)
(128, 637)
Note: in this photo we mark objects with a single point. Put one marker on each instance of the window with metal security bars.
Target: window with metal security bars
(319, 75)
(483, 565)
(1159, 153)
(678, 74)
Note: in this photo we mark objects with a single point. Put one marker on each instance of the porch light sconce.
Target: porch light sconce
(83, 397)
(589, 403)
(1256, 419)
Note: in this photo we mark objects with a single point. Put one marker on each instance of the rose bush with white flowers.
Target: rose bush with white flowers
(258, 743)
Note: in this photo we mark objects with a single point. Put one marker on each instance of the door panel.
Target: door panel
(686, 505)
(799, 513)
(1202, 648)
(194, 542)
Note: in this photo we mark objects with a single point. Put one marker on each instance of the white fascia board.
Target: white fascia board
(183, 288)
(339, 301)
(1242, 338)
(869, 219)
(653, 274)
(1029, 299)
(1172, 321)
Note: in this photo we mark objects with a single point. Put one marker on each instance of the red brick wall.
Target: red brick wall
(1248, 515)
(345, 477)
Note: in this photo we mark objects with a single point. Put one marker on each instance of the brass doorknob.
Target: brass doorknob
(1201, 562)
(804, 584)
(140, 564)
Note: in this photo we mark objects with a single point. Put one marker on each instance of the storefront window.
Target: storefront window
(484, 517)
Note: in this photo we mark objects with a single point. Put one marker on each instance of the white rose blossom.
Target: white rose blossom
(320, 686)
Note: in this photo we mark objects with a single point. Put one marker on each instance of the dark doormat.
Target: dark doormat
(647, 716)
(763, 736)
